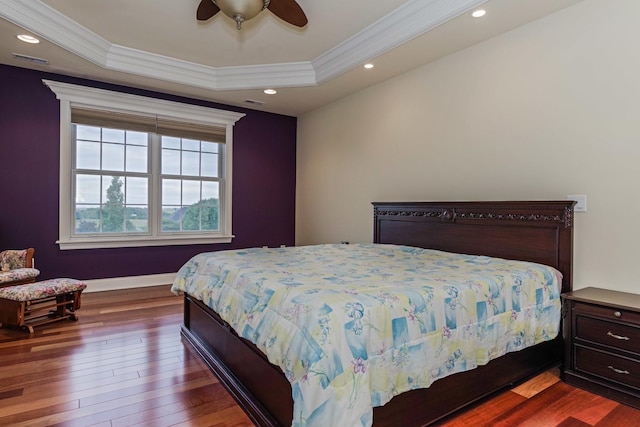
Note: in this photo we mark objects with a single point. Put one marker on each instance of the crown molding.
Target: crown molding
(412, 19)
(407, 22)
(57, 28)
(292, 74)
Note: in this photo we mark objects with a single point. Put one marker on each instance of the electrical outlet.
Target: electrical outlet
(581, 202)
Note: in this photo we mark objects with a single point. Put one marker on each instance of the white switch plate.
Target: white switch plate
(581, 205)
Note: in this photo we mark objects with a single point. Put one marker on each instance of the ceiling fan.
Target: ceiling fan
(243, 10)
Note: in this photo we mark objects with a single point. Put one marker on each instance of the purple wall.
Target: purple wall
(264, 159)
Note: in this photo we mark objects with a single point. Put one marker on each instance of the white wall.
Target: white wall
(544, 111)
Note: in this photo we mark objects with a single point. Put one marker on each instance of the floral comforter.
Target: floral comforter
(351, 326)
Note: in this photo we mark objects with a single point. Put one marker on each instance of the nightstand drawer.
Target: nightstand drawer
(610, 313)
(617, 335)
(609, 366)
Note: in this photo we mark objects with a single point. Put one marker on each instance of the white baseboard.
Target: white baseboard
(98, 285)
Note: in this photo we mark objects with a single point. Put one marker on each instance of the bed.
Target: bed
(539, 232)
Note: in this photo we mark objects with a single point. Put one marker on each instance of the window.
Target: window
(138, 171)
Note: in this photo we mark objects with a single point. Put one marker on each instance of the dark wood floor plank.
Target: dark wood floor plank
(152, 411)
(26, 415)
(169, 379)
(11, 393)
(95, 411)
(621, 415)
(553, 406)
(572, 422)
(88, 367)
(231, 417)
(174, 414)
(30, 378)
(485, 413)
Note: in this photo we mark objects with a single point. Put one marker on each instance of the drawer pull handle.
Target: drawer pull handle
(617, 314)
(618, 371)
(618, 337)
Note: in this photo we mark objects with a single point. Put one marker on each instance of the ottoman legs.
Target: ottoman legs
(27, 314)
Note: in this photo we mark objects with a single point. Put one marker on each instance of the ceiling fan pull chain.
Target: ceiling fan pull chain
(239, 20)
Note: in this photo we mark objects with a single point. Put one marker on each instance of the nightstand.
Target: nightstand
(601, 333)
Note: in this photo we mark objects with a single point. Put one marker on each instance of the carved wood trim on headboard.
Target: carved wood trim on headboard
(537, 231)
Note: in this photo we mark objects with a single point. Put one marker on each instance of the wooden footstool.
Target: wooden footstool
(20, 305)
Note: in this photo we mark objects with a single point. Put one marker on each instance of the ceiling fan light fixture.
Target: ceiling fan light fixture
(241, 10)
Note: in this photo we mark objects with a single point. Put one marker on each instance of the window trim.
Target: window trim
(71, 95)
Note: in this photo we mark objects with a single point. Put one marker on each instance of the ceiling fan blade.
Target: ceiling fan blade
(206, 9)
(289, 11)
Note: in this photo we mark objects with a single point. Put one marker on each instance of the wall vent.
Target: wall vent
(253, 101)
(30, 59)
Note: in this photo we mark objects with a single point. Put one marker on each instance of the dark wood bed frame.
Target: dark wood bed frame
(538, 231)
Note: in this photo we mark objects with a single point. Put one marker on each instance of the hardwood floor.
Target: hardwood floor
(124, 364)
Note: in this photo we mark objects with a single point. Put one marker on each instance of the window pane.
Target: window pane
(113, 187)
(191, 145)
(87, 189)
(113, 157)
(170, 142)
(190, 163)
(137, 191)
(210, 217)
(190, 192)
(87, 219)
(210, 190)
(209, 165)
(170, 162)
(112, 218)
(171, 218)
(209, 147)
(88, 155)
(171, 192)
(136, 158)
(89, 133)
(191, 219)
(137, 218)
(113, 204)
(113, 135)
(137, 138)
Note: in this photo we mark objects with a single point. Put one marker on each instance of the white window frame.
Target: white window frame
(71, 95)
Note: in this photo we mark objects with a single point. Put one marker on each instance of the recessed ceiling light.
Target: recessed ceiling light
(478, 13)
(368, 66)
(270, 91)
(27, 38)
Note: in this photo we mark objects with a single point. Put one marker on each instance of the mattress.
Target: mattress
(351, 326)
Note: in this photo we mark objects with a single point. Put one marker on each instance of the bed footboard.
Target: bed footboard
(257, 385)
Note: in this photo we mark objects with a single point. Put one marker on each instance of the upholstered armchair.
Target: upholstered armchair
(17, 267)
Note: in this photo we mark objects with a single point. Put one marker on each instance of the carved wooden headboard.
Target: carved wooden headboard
(537, 231)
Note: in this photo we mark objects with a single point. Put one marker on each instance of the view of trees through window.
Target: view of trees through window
(114, 217)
